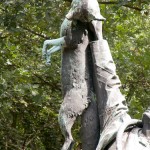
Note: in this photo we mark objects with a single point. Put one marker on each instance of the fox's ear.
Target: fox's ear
(69, 16)
(99, 17)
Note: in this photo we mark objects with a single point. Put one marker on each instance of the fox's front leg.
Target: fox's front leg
(50, 51)
(55, 42)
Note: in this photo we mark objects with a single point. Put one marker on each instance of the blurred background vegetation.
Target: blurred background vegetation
(30, 92)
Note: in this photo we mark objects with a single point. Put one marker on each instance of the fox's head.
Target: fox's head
(85, 11)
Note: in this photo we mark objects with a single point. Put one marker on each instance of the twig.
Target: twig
(54, 87)
(132, 7)
(33, 32)
(125, 5)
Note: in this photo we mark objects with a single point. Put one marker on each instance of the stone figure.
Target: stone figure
(75, 72)
(90, 85)
(74, 76)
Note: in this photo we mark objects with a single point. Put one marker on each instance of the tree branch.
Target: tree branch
(53, 86)
(132, 7)
(104, 2)
(115, 2)
(33, 32)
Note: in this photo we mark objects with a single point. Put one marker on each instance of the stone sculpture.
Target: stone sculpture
(74, 75)
(88, 69)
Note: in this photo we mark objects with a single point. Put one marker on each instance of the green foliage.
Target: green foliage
(30, 92)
